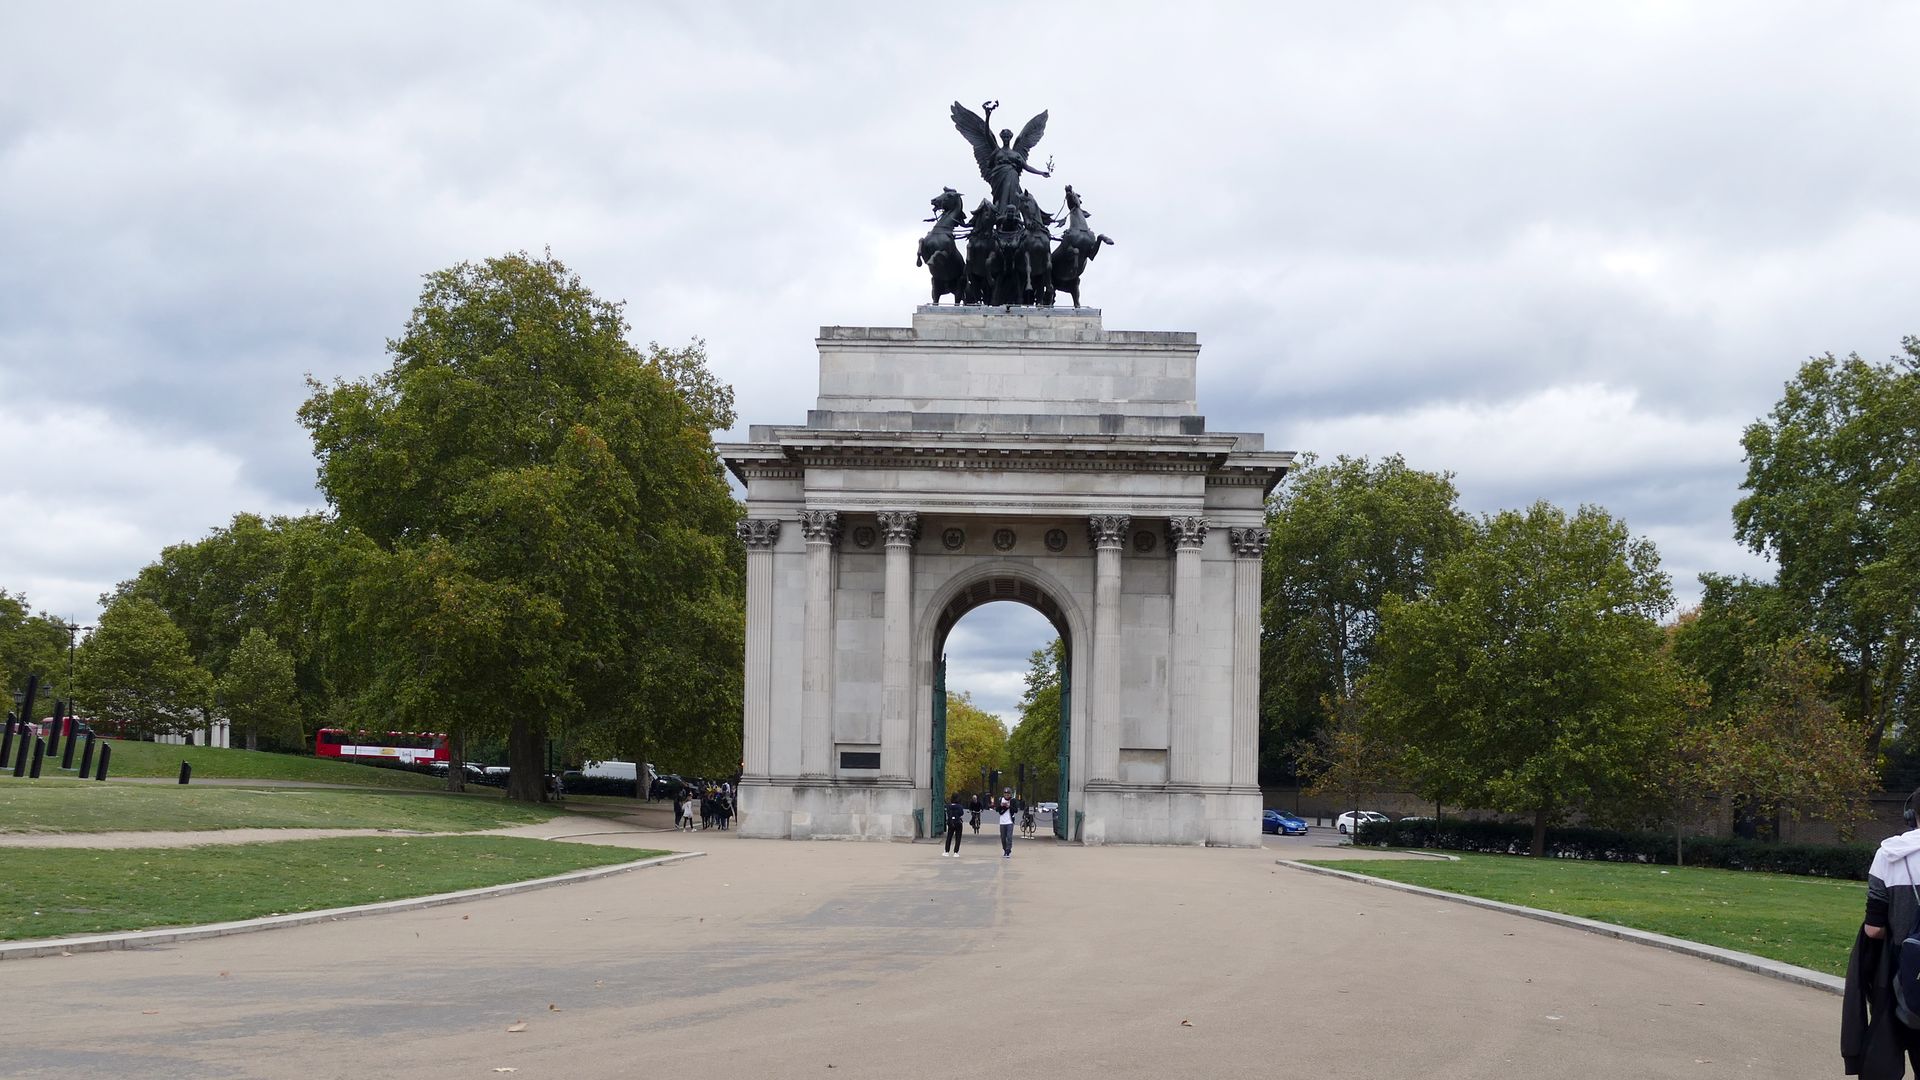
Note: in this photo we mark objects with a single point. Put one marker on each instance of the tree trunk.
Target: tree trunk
(1540, 831)
(253, 738)
(456, 762)
(526, 743)
(1679, 840)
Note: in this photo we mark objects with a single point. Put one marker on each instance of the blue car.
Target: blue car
(1273, 821)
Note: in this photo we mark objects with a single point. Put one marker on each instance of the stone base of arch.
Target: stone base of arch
(800, 808)
(1004, 454)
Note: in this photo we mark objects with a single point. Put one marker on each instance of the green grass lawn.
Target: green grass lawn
(70, 806)
(1806, 921)
(131, 759)
(54, 892)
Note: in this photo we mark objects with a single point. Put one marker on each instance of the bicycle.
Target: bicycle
(1026, 824)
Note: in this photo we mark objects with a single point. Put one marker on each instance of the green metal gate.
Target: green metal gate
(939, 741)
(1066, 734)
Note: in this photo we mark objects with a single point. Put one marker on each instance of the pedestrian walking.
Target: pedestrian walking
(686, 813)
(956, 817)
(1005, 808)
(1875, 1039)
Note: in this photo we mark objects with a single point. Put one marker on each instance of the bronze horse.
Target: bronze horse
(938, 252)
(1078, 245)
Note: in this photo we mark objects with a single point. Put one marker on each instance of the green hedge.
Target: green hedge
(1847, 861)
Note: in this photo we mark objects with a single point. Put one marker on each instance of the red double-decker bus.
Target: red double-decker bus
(373, 747)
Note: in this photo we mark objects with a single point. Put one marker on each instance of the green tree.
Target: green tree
(238, 579)
(1345, 537)
(1781, 745)
(1532, 677)
(30, 644)
(535, 538)
(1350, 756)
(1036, 737)
(257, 694)
(136, 672)
(975, 740)
(1834, 497)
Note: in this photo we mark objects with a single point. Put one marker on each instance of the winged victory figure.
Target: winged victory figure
(1001, 164)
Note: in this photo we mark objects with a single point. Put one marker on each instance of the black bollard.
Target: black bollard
(53, 730)
(186, 772)
(39, 754)
(86, 757)
(6, 742)
(20, 752)
(66, 754)
(106, 751)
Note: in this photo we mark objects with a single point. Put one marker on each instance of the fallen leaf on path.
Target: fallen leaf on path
(223, 974)
(1703, 1061)
(1556, 1018)
(521, 1026)
(1186, 1023)
(551, 1007)
(506, 1068)
(149, 1012)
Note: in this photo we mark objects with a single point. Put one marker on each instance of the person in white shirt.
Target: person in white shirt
(1005, 809)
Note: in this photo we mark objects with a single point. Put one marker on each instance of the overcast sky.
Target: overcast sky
(1563, 251)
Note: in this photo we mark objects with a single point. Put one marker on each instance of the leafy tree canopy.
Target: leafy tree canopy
(975, 740)
(1532, 676)
(137, 673)
(1345, 537)
(1036, 737)
(30, 644)
(535, 535)
(1833, 482)
(257, 693)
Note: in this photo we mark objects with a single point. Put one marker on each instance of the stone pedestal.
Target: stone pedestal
(1004, 454)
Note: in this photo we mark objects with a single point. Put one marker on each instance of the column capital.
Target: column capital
(1248, 543)
(758, 532)
(820, 526)
(1188, 533)
(1108, 530)
(902, 527)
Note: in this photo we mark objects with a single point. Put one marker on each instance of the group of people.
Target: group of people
(1005, 809)
(714, 804)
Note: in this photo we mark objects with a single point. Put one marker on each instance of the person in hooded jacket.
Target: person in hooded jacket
(1874, 1042)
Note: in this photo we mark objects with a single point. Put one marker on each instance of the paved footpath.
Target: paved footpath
(774, 959)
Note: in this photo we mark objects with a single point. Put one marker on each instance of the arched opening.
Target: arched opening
(1036, 763)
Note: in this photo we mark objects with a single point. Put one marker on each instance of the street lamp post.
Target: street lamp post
(71, 629)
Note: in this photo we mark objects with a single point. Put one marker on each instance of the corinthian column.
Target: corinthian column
(821, 528)
(1187, 730)
(1106, 532)
(1249, 551)
(902, 528)
(759, 534)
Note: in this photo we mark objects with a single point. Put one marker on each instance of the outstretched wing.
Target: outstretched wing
(976, 132)
(1030, 135)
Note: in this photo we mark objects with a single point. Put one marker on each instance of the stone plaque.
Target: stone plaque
(1143, 541)
(1056, 539)
(1003, 539)
(954, 539)
(864, 536)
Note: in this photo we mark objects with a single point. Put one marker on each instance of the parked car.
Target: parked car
(1048, 807)
(1346, 822)
(1282, 824)
(668, 786)
(475, 774)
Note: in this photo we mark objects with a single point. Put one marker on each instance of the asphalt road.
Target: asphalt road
(775, 959)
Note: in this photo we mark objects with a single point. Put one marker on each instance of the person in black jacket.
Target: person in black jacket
(973, 806)
(956, 817)
(1874, 1043)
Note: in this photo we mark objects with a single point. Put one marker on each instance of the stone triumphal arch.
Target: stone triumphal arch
(988, 454)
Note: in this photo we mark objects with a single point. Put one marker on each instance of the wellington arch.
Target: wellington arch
(1004, 453)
